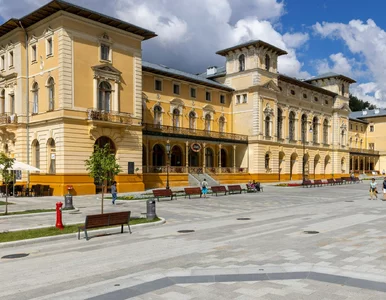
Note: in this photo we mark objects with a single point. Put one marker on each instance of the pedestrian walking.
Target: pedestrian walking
(373, 189)
(204, 187)
(384, 189)
(114, 191)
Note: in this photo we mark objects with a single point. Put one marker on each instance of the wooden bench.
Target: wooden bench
(219, 189)
(103, 220)
(163, 193)
(318, 182)
(234, 189)
(193, 191)
(330, 181)
(338, 181)
(357, 179)
(308, 183)
(346, 180)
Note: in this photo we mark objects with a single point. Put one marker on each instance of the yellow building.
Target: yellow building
(71, 78)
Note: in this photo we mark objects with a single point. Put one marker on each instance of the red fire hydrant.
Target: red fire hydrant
(59, 223)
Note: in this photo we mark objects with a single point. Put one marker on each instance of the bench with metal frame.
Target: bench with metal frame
(219, 189)
(104, 220)
(319, 182)
(330, 181)
(163, 193)
(308, 183)
(236, 188)
(189, 191)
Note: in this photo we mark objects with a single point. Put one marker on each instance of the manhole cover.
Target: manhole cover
(243, 219)
(349, 201)
(311, 232)
(18, 255)
(185, 231)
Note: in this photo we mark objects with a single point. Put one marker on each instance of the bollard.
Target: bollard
(150, 209)
(68, 201)
(59, 223)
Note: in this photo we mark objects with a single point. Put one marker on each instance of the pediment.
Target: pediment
(209, 107)
(270, 85)
(106, 68)
(345, 107)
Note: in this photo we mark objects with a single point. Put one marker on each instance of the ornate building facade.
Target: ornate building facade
(71, 78)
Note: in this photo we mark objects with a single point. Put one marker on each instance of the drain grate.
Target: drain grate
(185, 231)
(17, 255)
(243, 219)
(311, 232)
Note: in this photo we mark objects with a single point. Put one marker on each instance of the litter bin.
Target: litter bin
(150, 209)
(68, 201)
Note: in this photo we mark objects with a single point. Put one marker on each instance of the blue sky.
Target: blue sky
(320, 36)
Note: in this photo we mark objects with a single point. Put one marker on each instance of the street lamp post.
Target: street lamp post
(304, 151)
(168, 163)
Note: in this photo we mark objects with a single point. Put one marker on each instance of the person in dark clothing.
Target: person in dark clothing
(114, 191)
(384, 189)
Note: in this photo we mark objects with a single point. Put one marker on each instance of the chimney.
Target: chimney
(211, 71)
(376, 111)
(364, 112)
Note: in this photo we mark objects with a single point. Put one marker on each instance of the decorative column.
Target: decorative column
(219, 158)
(203, 158)
(234, 158)
(187, 157)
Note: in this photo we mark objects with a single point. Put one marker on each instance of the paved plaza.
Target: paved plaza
(266, 255)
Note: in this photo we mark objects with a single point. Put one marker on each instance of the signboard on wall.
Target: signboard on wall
(196, 147)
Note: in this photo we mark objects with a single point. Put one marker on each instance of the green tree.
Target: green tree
(102, 166)
(358, 104)
(6, 164)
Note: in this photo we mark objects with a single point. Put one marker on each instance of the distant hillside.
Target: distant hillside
(358, 104)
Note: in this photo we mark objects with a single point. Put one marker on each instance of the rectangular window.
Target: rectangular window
(12, 103)
(176, 89)
(350, 126)
(105, 52)
(193, 92)
(361, 128)
(371, 146)
(222, 99)
(371, 128)
(2, 62)
(356, 127)
(238, 99)
(33, 53)
(245, 98)
(158, 85)
(10, 63)
(208, 96)
(49, 46)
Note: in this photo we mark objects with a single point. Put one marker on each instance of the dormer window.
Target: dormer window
(267, 62)
(241, 63)
(105, 52)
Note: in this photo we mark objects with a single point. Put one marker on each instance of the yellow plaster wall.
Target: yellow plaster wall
(158, 180)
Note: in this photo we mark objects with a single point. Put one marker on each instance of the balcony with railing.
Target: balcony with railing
(7, 118)
(364, 151)
(109, 116)
(154, 129)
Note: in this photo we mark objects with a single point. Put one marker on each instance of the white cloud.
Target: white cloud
(340, 64)
(191, 31)
(369, 41)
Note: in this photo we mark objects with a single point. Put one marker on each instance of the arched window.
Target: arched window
(51, 156)
(279, 124)
(176, 118)
(104, 96)
(267, 122)
(304, 128)
(157, 115)
(192, 120)
(343, 89)
(267, 62)
(2, 101)
(35, 91)
(36, 154)
(291, 126)
(315, 130)
(266, 161)
(325, 131)
(241, 63)
(51, 93)
(208, 120)
(221, 124)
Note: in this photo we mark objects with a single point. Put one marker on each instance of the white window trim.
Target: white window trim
(34, 61)
(162, 84)
(105, 40)
(11, 54)
(52, 46)
(2, 62)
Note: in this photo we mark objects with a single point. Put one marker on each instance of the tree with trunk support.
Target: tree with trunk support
(6, 164)
(102, 166)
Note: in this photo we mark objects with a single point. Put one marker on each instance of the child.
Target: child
(373, 189)
(204, 187)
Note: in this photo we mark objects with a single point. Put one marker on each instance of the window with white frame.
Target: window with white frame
(49, 46)
(158, 85)
(105, 52)
(208, 120)
(238, 99)
(157, 115)
(325, 131)
(208, 96)
(2, 101)
(221, 123)
(104, 96)
(34, 53)
(192, 120)
(222, 99)
(371, 128)
(176, 88)
(267, 126)
(12, 103)
(176, 117)
(10, 59)
(193, 92)
(35, 92)
(51, 93)
(2, 62)
(245, 98)
(241, 63)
